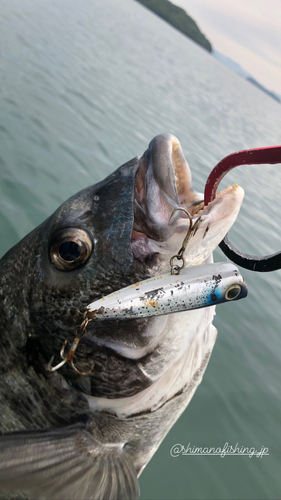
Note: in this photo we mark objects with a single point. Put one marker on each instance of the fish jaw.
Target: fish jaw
(163, 184)
(216, 219)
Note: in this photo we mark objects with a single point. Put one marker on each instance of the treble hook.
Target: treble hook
(176, 269)
(74, 345)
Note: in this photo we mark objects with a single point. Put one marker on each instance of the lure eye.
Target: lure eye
(70, 248)
(233, 292)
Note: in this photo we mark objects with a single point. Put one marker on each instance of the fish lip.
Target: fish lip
(162, 184)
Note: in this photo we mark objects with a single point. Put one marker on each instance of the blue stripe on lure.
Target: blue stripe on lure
(195, 287)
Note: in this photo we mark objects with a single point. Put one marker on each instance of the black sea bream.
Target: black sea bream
(90, 436)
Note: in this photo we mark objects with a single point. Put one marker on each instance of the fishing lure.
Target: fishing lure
(196, 287)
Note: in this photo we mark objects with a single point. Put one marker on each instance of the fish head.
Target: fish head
(104, 238)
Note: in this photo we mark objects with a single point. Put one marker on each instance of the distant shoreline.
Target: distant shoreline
(179, 19)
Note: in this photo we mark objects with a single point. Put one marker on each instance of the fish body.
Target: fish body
(70, 436)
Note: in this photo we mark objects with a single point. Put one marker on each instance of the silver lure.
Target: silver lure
(194, 288)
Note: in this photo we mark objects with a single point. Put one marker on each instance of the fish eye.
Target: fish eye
(233, 292)
(70, 248)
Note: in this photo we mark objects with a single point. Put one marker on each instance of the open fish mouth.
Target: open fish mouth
(163, 184)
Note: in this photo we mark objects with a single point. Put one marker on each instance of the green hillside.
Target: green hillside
(178, 18)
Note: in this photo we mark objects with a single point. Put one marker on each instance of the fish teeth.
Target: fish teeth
(200, 208)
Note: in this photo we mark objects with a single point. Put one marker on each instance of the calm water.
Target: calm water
(84, 87)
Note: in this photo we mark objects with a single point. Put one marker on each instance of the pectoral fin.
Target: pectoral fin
(65, 463)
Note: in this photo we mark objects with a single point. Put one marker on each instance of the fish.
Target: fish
(89, 432)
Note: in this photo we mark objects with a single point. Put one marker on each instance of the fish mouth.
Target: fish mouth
(162, 185)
